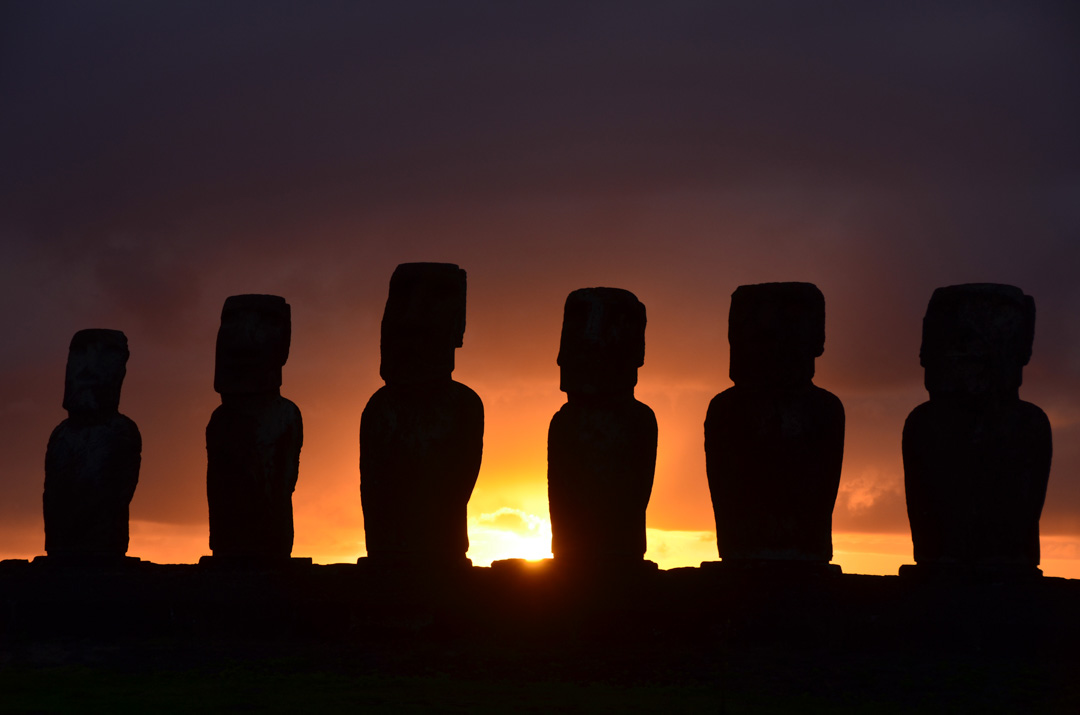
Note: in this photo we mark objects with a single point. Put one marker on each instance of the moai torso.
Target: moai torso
(602, 442)
(422, 434)
(254, 438)
(976, 457)
(92, 461)
(774, 442)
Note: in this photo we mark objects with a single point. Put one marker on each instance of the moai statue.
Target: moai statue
(774, 443)
(976, 457)
(602, 442)
(92, 461)
(422, 433)
(254, 438)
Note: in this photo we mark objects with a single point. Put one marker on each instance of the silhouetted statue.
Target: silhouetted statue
(92, 461)
(254, 438)
(774, 443)
(602, 442)
(422, 434)
(976, 457)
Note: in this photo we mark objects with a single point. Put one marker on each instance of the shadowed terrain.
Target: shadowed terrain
(522, 637)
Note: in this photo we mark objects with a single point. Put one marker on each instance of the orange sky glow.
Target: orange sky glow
(508, 516)
(158, 158)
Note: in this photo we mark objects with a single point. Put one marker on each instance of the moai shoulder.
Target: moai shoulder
(976, 457)
(93, 457)
(421, 434)
(254, 438)
(602, 442)
(774, 442)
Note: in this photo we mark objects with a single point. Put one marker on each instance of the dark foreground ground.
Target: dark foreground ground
(518, 639)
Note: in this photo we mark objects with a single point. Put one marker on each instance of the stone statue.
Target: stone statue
(976, 457)
(774, 443)
(422, 434)
(92, 461)
(602, 442)
(254, 438)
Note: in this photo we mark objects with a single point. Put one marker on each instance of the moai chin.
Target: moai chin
(422, 433)
(92, 461)
(774, 442)
(254, 438)
(602, 442)
(976, 457)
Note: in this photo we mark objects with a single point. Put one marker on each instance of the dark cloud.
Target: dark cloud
(125, 111)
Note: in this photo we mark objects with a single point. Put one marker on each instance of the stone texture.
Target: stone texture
(254, 438)
(421, 435)
(602, 442)
(976, 457)
(92, 460)
(774, 442)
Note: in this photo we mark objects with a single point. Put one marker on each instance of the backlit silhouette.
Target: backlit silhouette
(422, 434)
(254, 438)
(602, 442)
(92, 461)
(774, 443)
(976, 457)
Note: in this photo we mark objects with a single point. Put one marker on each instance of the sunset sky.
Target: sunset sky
(156, 158)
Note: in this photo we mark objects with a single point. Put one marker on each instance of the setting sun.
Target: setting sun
(308, 306)
(159, 163)
(508, 533)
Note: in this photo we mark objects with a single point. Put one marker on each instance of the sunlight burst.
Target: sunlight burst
(508, 534)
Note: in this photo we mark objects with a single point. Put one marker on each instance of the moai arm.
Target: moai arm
(647, 440)
(470, 449)
(1041, 453)
(926, 514)
(127, 459)
(833, 426)
(289, 444)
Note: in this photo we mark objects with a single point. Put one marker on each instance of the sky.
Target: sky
(156, 158)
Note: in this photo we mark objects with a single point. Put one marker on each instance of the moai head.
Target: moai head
(776, 330)
(252, 344)
(976, 340)
(424, 322)
(603, 341)
(96, 365)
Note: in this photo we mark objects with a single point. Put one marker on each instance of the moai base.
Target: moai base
(92, 461)
(602, 442)
(422, 434)
(254, 438)
(976, 457)
(774, 443)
